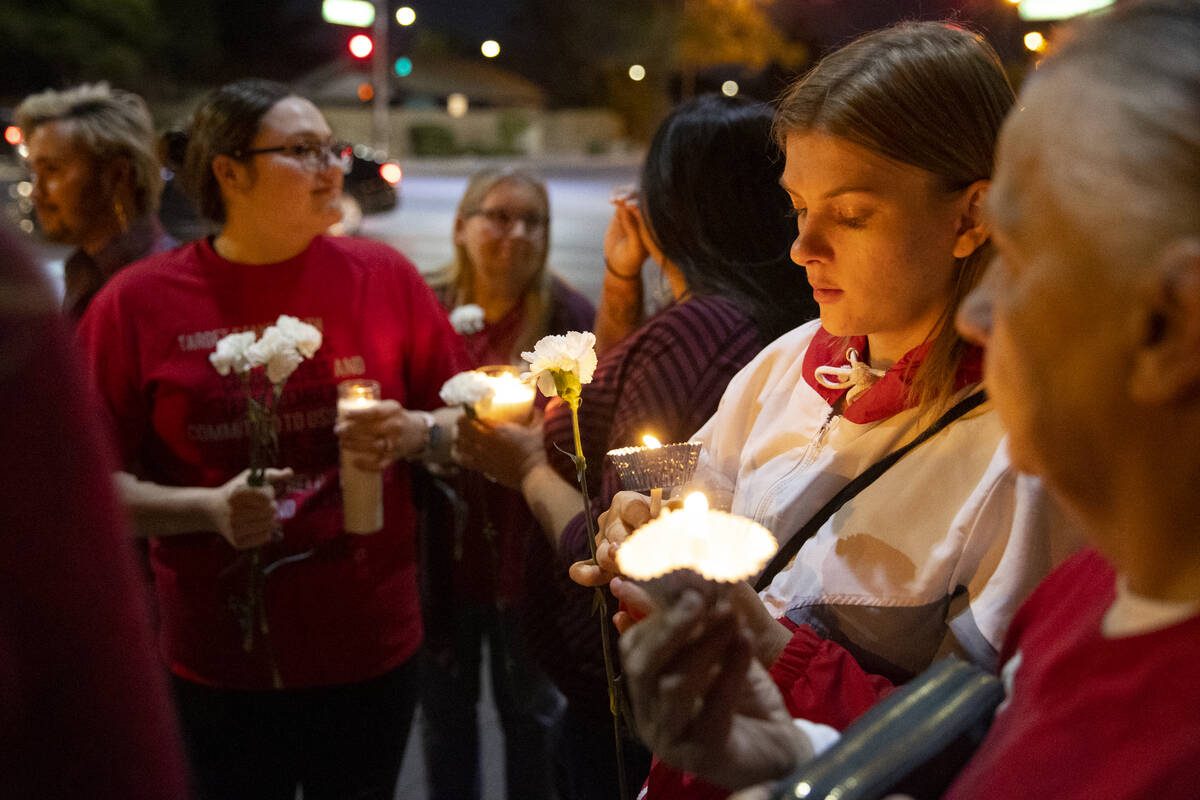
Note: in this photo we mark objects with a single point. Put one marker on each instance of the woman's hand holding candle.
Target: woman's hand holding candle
(380, 432)
(504, 451)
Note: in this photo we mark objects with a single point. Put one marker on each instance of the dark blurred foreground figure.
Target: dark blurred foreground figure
(1091, 319)
(83, 702)
(97, 179)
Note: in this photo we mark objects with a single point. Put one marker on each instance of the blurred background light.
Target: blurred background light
(1058, 9)
(456, 105)
(637, 72)
(361, 45)
(358, 13)
(391, 172)
(490, 48)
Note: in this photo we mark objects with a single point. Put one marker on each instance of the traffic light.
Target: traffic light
(361, 45)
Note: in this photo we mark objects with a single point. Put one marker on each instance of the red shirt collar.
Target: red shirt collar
(890, 394)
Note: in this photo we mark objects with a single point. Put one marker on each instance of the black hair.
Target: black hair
(226, 121)
(712, 201)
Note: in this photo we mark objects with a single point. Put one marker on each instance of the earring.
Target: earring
(119, 210)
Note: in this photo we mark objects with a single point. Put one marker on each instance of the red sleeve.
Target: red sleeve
(821, 682)
(83, 701)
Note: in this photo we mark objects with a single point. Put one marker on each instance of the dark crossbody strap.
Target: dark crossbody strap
(786, 553)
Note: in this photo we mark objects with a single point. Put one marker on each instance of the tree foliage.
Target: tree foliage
(148, 46)
(717, 32)
(59, 42)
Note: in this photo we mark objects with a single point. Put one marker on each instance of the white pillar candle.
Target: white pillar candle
(511, 401)
(362, 489)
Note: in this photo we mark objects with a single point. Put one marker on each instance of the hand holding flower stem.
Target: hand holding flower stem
(560, 365)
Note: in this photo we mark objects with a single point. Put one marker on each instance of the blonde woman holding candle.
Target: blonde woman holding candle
(711, 215)
(934, 556)
(318, 693)
(474, 560)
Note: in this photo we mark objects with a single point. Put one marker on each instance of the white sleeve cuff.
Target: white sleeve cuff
(821, 736)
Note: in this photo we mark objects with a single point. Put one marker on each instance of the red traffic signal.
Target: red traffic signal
(361, 45)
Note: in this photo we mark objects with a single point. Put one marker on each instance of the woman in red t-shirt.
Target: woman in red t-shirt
(318, 688)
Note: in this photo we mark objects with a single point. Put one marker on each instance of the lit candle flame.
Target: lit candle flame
(651, 442)
(509, 388)
(695, 503)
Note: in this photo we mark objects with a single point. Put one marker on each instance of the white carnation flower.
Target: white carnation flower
(306, 337)
(466, 389)
(467, 319)
(277, 352)
(573, 353)
(230, 353)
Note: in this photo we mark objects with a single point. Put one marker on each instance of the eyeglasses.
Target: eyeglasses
(313, 155)
(503, 220)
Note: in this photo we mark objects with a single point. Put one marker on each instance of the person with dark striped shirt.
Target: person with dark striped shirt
(711, 214)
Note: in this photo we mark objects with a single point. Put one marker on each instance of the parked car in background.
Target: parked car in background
(373, 182)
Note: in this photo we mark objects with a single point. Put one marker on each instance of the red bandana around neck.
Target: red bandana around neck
(889, 395)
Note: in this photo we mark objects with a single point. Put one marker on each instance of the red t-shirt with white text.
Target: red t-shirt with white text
(349, 610)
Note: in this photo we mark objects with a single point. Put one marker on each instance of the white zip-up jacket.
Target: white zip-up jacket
(933, 557)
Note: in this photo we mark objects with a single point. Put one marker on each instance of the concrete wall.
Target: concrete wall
(530, 131)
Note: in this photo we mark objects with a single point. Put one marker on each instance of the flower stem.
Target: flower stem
(614, 704)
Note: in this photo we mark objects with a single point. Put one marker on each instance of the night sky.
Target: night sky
(183, 44)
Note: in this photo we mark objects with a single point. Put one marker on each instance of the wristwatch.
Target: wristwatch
(432, 436)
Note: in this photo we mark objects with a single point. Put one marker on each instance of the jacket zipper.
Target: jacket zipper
(810, 456)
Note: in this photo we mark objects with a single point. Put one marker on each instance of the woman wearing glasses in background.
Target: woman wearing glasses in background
(473, 559)
(323, 696)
